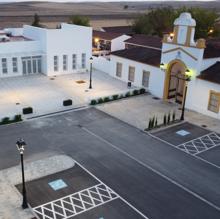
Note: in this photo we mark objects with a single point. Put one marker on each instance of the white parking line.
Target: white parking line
(155, 171)
(196, 157)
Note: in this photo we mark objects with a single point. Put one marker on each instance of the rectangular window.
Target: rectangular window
(4, 66)
(145, 78)
(83, 60)
(15, 65)
(74, 61)
(64, 62)
(131, 73)
(55, 63)
(118, 69)
(214, 101)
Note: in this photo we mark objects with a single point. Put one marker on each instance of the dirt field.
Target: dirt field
(101, 14)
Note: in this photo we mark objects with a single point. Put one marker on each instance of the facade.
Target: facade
(32, 50)
(164, 66)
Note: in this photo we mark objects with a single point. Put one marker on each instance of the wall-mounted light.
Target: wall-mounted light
(188, 75)
(211, 31)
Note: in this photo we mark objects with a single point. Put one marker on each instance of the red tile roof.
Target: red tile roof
(140, 54)
(119, 29)
(212, 49)
(145, 40)
(211, 74)
(106, 35)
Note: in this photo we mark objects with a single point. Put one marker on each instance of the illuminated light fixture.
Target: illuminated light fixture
(188, 75)
(162, 66)
(211, 31)
(96, 40)
(171, 35)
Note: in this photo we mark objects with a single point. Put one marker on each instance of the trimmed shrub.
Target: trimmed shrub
(27, 110)
(149, 124)
(5, 120)
(115, 97)
(155, 122)
(142, 91)
(93, 102)
(128, 94)
(17, 118)
(174, 116)
(68, 102)
(135, 92)
(100, 100)
(165, 119)
(121, 96)
(168, 118)
(106, 99)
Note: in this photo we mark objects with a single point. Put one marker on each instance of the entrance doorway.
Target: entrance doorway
(176, 82)
(31, 65)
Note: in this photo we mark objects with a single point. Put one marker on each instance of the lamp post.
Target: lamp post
(187, 79)
(90, 78)
(21, 145)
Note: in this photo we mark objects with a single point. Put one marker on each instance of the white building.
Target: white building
(32, 50)
(163, 66)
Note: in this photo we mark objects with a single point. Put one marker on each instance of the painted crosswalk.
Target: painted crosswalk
(76, 203)
(200, 144)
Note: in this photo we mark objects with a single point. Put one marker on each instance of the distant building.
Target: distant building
(164, 66)
(32, 50)
(106, 42)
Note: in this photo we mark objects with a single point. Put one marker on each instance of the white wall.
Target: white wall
(102, 64)
(157, 76)
(198, 96)
(118, 43)
(69, 40)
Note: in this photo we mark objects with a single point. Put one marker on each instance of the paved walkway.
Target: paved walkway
(11, 199)
(46, 94)
(138, 110)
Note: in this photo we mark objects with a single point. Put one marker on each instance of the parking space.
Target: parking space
(181, 133)
(74, 192)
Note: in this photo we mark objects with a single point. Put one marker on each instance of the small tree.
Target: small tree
(79, 20)
(36, 22)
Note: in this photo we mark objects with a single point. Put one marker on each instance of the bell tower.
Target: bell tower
(184, 32)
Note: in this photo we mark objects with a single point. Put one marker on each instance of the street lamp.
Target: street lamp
(187, 79)
(21, 145)
(90, 79)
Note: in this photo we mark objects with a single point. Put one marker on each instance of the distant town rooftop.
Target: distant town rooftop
(119, 29)
(105, 35)
(145, 40)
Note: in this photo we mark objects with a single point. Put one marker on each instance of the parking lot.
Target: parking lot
(192, 139)
(76, 193)
(154, 177)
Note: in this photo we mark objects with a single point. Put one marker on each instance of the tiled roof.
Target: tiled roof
(212, 49)
(119, 29)
(211, 74)
(105, 35)
(141, 54)
(144, 40)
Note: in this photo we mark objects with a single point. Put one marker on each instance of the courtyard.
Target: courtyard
(46, 94)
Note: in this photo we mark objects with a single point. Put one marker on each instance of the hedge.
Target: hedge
(27, 110)
(68, 102)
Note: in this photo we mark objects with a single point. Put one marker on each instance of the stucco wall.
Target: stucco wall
(118, 43)
(198, 96)
(156, 80)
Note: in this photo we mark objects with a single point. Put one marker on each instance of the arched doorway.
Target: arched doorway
(175, 81)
